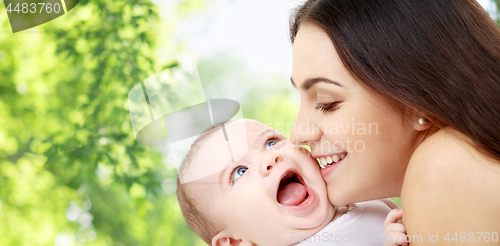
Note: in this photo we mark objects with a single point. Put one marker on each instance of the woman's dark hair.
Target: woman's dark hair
(440, 58)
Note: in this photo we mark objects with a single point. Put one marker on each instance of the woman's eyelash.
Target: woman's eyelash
(327, 107)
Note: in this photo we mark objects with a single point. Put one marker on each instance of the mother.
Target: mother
(408, 92)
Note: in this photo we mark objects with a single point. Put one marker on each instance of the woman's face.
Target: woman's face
(338, 118)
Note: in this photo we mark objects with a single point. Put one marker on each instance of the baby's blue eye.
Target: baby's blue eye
(270, 144)
(237, 173)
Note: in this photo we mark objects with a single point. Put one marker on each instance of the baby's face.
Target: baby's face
(272, 190)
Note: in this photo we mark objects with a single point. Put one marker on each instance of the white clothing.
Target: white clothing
(362, 225)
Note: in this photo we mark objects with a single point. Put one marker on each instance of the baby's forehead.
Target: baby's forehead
(215, 150)
(225, 145)
(237, 135)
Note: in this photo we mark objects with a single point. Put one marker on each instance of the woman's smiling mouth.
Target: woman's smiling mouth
(326, 161)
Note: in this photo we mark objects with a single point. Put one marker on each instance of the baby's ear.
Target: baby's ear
(225, 238)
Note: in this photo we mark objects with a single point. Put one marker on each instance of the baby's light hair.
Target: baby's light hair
(197, 220)
(192, 202)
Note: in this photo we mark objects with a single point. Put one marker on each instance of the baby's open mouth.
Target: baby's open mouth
(292, 190)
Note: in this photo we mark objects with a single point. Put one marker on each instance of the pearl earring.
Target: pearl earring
(422, 121)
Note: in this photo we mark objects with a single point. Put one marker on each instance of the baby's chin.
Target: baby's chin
(317, 221)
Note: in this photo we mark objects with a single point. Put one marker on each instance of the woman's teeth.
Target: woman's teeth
(327, 161)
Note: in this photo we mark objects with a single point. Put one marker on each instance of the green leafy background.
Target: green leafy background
(71, 172)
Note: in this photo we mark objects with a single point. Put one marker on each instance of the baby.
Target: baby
(244, 183)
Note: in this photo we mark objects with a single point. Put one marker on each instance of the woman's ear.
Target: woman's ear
(224, 238)
(417, 120)
(420, 123)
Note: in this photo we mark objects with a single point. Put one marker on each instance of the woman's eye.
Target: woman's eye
(270, 144)
(237, 173)
(327, 107)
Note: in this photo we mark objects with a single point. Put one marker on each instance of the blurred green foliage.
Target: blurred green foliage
(71, 171)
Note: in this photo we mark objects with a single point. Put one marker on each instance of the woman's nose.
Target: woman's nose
(271, 159)
(305, 129)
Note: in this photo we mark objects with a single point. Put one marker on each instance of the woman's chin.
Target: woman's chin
(339, 198)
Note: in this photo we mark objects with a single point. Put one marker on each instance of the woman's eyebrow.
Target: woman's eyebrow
(312, 81)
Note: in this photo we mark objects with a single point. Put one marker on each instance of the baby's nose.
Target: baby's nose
(270, 160)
